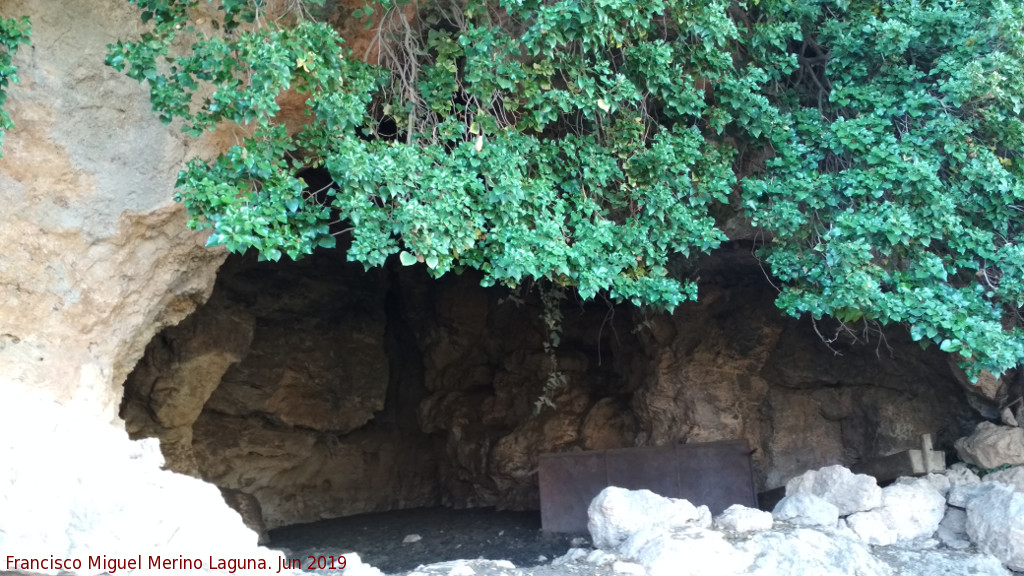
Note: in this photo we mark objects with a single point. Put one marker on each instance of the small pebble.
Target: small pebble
(410, 538)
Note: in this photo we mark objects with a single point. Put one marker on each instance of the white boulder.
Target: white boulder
(616, 513)
(571, 556)
(872, 528)
(685, 551)
(911, 509)
(740, 519)
(939, 482)
(961, 495)
(992, 446)
(805, 509)
(959, 474)
(847, 491)
(995, 523)
(109, 497)
(647, 535)
(805, 552)
(600, 558)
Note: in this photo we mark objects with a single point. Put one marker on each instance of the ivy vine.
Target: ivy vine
(13, 33)
(551, 297)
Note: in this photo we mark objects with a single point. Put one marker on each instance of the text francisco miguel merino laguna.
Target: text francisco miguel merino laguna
(114, 564)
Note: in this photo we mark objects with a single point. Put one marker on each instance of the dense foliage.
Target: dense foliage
(588, 142)
(13, 33)
(895, 192)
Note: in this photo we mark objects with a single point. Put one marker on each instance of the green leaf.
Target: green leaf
(406, 258)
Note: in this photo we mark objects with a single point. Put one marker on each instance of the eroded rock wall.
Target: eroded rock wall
(278, 388)
(96, 257)
(485, 369)
(327, 391)
(730, 366)
(320, 390)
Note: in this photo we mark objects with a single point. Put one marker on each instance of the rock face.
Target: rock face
(270, 393)
(326, 391)
(314, 380)
(97, 258)
(729, 366)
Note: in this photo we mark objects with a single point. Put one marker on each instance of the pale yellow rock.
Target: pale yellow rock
(96, 255)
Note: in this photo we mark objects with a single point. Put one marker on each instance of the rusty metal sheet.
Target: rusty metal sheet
(717, 474)
(572, 480)
(638, 468)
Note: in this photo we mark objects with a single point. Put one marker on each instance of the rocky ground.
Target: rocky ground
(831, 522)
(484, 542)
(398, 542)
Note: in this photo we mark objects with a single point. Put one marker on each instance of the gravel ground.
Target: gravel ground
(384, 540)
(503, 544)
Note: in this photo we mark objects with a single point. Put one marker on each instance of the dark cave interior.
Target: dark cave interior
(313, 390)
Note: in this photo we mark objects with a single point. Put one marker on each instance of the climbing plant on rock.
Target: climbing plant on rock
(13, 33)
(893, 191)
(549, 141)
(585, 143)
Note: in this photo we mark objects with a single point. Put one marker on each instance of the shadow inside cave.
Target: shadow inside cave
(312, 389)
(385, 540)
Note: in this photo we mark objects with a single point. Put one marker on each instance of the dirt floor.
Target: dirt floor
(388, 541)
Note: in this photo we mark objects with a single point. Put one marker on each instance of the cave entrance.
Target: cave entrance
(314, 389)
